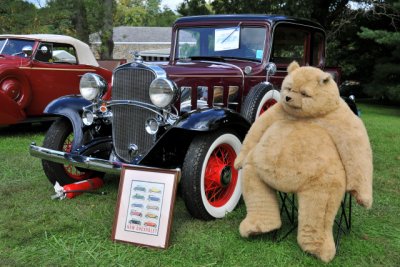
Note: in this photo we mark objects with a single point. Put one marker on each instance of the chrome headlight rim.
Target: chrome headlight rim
(163, 92)
(92, 86)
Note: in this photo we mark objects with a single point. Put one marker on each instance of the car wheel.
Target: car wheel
(260, 98)
(210, 185)
(59, 137)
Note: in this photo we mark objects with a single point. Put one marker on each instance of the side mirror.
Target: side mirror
(27, 50)
(271, 69)
(44, 49)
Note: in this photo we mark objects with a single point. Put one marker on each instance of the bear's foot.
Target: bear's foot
(363, 199)
(325, 251)
(254, 225)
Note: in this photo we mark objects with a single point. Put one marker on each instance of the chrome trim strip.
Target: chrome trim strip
(134, 103)
(159, 72)
(230, 65)
(42, 68)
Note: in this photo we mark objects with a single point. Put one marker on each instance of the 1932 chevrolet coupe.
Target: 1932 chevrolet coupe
(193, 113)
(38, 68)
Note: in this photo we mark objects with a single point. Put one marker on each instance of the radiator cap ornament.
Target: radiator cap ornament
(133, 149)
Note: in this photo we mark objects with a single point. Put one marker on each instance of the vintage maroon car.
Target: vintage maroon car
(193, 113)
(36, 69)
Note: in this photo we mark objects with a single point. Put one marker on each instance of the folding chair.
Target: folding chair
(288, 209)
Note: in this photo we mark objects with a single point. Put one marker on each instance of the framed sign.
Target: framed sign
(146, 199)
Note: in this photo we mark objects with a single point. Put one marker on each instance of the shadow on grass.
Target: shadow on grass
(24, 128)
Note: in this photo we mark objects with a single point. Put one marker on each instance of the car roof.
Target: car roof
(272, 19)
(85, 55)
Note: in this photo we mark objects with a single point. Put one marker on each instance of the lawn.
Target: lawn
(38, 231)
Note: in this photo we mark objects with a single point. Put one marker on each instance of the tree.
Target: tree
(79, 20)
(143, 13)
(385, 83)
(17, 16)
(106, 32)
(194, 7)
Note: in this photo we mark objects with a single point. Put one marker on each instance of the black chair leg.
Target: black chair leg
(342, 221)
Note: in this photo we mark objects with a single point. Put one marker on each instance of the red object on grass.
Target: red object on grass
(75, 189)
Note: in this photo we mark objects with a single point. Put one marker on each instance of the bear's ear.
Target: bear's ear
(292, 66)
(325, 78)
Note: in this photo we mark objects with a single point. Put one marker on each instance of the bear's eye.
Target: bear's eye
(303, 93)
(289, 89)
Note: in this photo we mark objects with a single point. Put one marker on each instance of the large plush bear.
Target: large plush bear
(309, 143)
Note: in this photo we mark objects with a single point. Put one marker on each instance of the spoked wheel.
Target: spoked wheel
(260, 98)
(60, 137)
(210, 185)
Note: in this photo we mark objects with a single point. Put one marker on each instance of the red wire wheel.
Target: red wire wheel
(260, 98)
(269, 103)
(221, 177)
(59, 137)
(210, 185)
(70, 170)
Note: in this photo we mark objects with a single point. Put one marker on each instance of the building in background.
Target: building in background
(153, 43)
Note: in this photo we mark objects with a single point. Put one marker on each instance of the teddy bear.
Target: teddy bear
(310, 143)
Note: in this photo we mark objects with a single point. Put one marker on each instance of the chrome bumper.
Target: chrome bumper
(84, 162)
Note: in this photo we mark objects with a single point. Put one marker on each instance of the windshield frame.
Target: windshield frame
(234, 54)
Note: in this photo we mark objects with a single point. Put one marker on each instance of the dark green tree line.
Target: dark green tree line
(363, 37)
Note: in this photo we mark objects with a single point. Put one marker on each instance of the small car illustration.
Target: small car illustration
(133, 221)
(151, 215)
(136, 213)
(152, 207)
(137, 205)
(138, 196)
(151, 224)
(153, 198)
(139, 188)
(154, 190)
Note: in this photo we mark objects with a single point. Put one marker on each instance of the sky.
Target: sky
(172, 4)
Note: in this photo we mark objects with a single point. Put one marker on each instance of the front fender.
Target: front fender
(70, 107)
(212, 119)
(170, 149)
(10, 111)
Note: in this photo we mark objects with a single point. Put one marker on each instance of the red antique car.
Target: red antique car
(36, 69)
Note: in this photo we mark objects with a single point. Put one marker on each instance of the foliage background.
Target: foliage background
(363, 36)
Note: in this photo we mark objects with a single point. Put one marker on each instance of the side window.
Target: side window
(64, 53)
(317, 49)
(44, 53)
(289, 44)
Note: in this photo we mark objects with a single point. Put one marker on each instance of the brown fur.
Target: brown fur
(311, 144)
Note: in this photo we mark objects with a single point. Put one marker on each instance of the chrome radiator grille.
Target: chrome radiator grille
(129, 121)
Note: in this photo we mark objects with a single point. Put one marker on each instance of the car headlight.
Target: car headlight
(92, 86)
(162, 92)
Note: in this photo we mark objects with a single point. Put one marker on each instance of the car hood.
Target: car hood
(202, 68)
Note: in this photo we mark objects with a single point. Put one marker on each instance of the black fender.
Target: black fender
(352, 105)
(71, 107)
(170, 149)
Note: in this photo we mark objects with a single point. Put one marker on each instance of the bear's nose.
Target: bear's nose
(288, 98)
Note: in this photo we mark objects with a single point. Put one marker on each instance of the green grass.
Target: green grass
(38, 231)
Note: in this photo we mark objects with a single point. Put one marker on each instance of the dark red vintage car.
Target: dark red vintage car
(36, 69)
(193, 113)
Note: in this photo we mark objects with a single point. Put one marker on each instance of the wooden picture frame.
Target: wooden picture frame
(145, 204)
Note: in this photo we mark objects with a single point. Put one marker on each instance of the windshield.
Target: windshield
(14, 46)
(228, 42)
